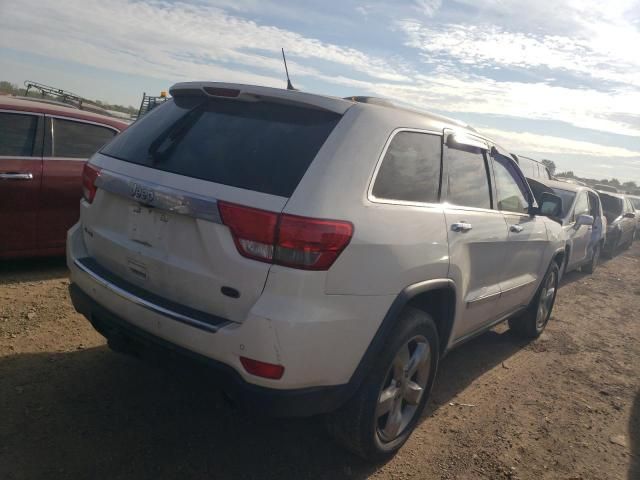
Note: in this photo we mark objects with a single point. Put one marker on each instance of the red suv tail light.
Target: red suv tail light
(298, 242)
(90, 174)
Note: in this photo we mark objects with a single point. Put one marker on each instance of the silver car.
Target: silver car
(321, 253)
(583, 222)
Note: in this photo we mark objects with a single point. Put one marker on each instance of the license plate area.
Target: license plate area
(148, 226)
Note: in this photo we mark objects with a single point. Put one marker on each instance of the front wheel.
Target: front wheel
(378, 420)
(533, 321)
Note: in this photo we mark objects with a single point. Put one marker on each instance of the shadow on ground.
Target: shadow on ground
(634, 436)
(32, 270)
(72, 415)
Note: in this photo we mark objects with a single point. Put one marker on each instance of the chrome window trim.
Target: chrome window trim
(147, 304)
(68, 159)
(80, 120)
(71, 119)
(389, 201)
(18, 157)
(164, 198)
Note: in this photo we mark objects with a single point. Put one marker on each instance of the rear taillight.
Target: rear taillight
(298, 242)
(90, 174)
(262, 369)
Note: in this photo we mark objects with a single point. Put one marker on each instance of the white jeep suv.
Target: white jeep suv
(321, 253)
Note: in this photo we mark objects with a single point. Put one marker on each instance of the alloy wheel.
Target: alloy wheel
(403, 389)
(545, 303)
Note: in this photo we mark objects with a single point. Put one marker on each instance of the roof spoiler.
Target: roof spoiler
(254, 93)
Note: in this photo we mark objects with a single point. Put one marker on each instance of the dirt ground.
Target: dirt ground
(564, 407)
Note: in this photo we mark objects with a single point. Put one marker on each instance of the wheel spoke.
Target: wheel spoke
(419, 357)
(386, 400)
(401, 362)
(394, 421)
(413, 393)
(549, 295)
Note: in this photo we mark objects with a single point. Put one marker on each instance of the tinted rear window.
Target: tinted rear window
(410, 170)
(259, 146)
(77, 139)
(612, 207)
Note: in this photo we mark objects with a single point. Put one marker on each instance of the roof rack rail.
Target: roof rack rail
(150, 102)
(62, 95)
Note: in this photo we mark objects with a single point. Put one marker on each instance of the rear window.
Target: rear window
(261, 146)
(410, 170)
(73, 139)
(635, 202)
(612, 207)
(567, 197)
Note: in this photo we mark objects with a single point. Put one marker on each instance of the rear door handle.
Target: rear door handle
(461, 227)
(516, 228)
(16, 176)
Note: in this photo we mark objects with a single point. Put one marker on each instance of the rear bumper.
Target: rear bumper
(259, 400)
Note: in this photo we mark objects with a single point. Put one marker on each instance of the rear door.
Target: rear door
(20, 177)
(597, 232)
(628, 223)
(522, 256)
(155, 221)
(68, 145)
(477, 233)
(581, 236)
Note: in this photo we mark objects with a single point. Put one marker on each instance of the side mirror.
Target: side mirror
(629, 215)
(551, 205)
(584, 220)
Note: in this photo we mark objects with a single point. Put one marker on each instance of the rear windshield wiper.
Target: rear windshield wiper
(172, 136)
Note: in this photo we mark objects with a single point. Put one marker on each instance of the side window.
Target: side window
(410, 170)
(17, 134)
(467, 180)
(510, 194)
(77, 139)
(629, 208)
(582, 205)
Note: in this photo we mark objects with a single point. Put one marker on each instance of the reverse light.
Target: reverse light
(283, 239)
(90, 174)
(262, 369)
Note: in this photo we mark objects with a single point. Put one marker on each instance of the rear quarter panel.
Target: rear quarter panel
(393, 245)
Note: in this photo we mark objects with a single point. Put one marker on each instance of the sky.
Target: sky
(557, 80)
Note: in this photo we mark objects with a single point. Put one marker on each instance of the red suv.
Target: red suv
(43, 148)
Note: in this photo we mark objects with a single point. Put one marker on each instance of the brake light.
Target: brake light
(289, 240)
(253, 230)
(262, 369)
(90, 174)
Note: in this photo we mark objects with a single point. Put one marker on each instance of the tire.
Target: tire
(533, 321)
(409, 359)
(593, 263)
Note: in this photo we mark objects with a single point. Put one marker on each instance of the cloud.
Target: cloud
(428, 7)
(545, 144)
(173, 40)
(426, 54)
(481, 47)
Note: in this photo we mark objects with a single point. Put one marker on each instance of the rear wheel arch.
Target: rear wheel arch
(440, 304)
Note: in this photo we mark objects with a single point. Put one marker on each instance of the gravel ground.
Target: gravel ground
(566, 406)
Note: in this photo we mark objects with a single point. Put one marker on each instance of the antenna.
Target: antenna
(289, 86)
